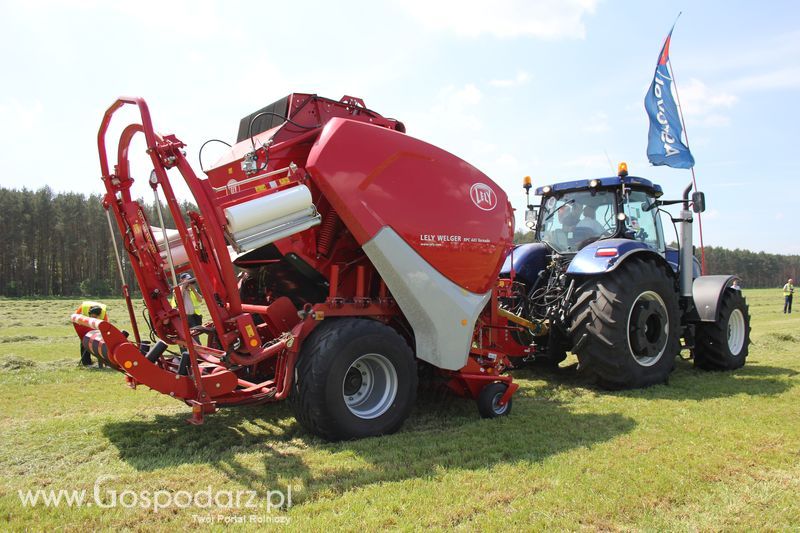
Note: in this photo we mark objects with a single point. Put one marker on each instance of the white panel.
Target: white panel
(433, 305)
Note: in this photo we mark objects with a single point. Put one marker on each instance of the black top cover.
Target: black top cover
(264, 122)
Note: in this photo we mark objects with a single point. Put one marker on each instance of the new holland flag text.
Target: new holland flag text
(664, 146)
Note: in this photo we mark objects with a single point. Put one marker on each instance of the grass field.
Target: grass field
(707, 451)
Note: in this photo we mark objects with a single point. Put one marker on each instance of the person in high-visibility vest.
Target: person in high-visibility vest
(92, 310)
(192, 300)
(788, 292)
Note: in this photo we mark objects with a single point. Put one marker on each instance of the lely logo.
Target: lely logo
(483, 196)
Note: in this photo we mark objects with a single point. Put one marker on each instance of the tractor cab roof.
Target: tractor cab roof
(598, 183)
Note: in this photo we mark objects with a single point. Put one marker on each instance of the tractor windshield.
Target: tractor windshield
(641, 221)
(574, 219)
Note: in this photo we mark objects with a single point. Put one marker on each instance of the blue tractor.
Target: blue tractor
(601, 281)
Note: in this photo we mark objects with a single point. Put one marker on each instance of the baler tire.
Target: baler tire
(322, 374)
(488, 398)
(604, 332)
(715, 342)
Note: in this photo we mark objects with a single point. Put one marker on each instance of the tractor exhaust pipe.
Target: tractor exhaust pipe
(687, 248)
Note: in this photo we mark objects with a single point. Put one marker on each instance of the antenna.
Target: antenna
(609, 161)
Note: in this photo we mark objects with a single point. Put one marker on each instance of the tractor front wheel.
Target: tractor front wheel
(625, 325)
(354, 378)
(724, 344)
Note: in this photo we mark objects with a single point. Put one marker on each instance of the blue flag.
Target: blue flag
(664, 146)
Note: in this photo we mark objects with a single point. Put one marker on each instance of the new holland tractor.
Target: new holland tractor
(340, 258)
(600, 281)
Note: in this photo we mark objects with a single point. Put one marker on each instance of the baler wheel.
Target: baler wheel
(626, 325)
(355, 378)
(724, 344)
(489, 398)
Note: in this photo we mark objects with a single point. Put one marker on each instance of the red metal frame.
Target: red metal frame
(219, 372)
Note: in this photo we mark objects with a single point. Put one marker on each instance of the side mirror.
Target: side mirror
(531, 216)
(650, 204)
(698, 202)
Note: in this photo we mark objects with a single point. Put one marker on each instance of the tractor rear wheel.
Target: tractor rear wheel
(625, 326)
(724, 344)
(354, 378)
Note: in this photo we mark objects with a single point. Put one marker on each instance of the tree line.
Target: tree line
(58, 244)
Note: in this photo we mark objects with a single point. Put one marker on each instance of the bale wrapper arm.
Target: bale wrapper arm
(203, 242)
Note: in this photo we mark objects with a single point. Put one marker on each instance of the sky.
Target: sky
(552, 89)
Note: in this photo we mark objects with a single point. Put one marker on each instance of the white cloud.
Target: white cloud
(24, 116)
(468, 95)
(768, 51)
(703, 105)
(597, 163)
(507, 161)
(713, 121)
(544, 19)
(482, 147)
(455, 108)
(597, 123)
(452, 121)
(783, 78)
(521, 78)
(183, 18)
(727, 183)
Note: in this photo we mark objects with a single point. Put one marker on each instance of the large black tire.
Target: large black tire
(354, 378)
(724, 344)
(625, 325)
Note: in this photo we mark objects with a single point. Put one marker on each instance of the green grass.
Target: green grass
(707, 451)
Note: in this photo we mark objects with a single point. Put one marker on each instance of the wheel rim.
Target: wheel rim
(370, 386)
(496, 407)
(736, 332)
(648, 328)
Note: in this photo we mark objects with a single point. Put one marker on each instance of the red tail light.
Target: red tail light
(606, 252)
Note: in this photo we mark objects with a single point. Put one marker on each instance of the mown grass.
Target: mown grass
(707, 451)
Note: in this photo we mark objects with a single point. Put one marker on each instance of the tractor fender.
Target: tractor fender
(673, 256)
(587, 262)
(528, 260)
(707, 293)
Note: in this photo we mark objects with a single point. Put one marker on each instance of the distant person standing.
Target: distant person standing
(788, 292)
(192, 300)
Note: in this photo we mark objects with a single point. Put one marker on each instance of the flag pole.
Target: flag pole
(694, 178)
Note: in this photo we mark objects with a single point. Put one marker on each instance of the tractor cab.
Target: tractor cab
(577, 213)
